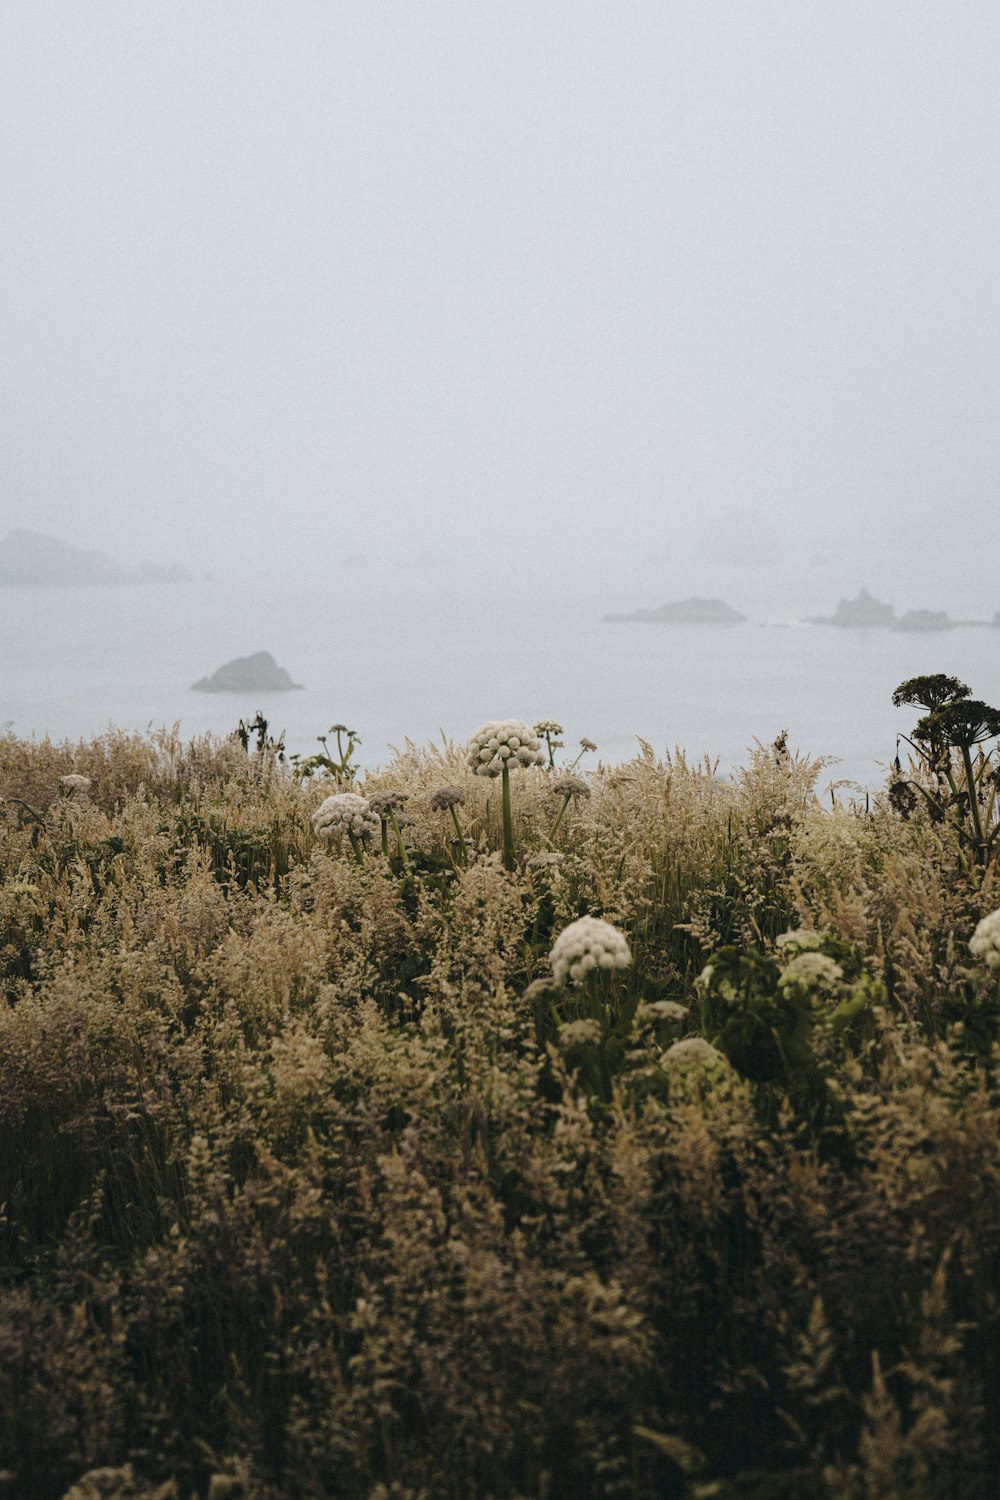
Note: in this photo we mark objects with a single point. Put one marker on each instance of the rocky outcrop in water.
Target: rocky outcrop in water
(686, 612)
(259, 673)
(863, 613)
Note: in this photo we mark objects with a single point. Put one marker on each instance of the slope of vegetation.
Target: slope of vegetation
(315, 1182)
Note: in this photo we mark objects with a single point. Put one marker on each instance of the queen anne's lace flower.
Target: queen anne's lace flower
(985, 941)
(74, 783)
(503, 741)
(587, 944)
(346, 812)
(800, 940)
(809, 972)
(692, 1062)
(579, 1033)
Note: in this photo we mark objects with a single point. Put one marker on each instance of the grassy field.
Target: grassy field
(315, 1182)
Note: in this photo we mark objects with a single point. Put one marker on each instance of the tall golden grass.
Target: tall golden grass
(302, 1195)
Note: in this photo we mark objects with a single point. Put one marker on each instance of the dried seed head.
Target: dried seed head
(570, 786)
(447, 797)
(381, 802)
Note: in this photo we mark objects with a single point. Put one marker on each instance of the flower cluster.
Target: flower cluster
(548, 726)
(579, 1033)
(503, 742)
(569, 785)
(809, 972)
(985, 941)
(587, 944)
(800, 940)
(346, 812)
(694, 1051)
(74, 783)
(447, 797)
(382, 803)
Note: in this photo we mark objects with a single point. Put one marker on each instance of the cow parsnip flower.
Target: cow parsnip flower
(799, 940)
(579, 1033)
(346, 812)
(985, 941)
(74, 783)
(809, 972)
(586, 945)
(501, 742)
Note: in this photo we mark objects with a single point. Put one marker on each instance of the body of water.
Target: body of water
(409, 657)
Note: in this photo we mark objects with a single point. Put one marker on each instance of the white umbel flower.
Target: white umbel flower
(579, 1033)
(74, 783)
(694, 1051)
(809, 972)
(985, 941)
(587, 944)
(504, 742)
(346, 812)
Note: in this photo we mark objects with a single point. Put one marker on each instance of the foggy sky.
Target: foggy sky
(283, 283)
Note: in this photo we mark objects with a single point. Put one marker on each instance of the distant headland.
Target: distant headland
(685, 612)
(31, 559)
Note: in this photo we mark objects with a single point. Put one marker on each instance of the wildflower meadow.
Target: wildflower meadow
(502, 1124)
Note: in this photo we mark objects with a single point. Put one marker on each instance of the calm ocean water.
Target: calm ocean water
(412, 657)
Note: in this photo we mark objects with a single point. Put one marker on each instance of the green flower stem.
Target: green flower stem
(385, 837)
(559, 817)
(399, 838)
(461, 835)
(508, 826)
(355, 846)
(977, 821)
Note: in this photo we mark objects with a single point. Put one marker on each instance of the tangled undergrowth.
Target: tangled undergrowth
(320, 1179)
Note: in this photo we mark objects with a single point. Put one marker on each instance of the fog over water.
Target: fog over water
(434, 333)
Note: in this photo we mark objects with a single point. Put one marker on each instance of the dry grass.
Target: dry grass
(301, 1198)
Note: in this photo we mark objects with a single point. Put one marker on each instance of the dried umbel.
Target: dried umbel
(586, 945)
(382, 802)
(503, 743)
(571, 786)
(985, 941)
(447, 797)
(74, 785)
(346, 812)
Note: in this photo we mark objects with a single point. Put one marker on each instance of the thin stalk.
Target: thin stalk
(399, 838)
(977, 821)
(508, 825)
(559, 816)
(355, 846)
(385, 837)
(461, 835)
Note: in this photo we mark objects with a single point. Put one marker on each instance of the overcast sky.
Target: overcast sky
(289, 281)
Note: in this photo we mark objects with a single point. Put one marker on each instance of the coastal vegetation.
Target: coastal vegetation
(444, 1132)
